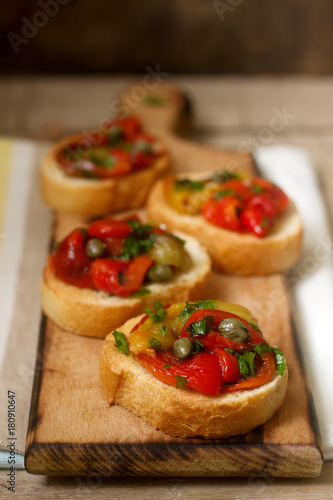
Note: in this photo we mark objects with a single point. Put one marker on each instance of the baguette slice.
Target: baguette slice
(184, 413)
(233, 252)
(94, 313)
(92, 197)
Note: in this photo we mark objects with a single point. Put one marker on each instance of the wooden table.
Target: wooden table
(229, 112)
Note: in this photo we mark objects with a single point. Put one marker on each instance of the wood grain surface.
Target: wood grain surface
(73, 431)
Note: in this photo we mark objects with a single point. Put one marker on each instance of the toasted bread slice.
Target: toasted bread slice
(92, 197)
(95, 313)
(184, 413)
(233, 252)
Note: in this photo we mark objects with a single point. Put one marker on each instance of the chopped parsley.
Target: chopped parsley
(167, 366)
(158, 315)
(245, 362)
(257, 189)
(181, 382)
(188, 184)
(223, 193)
(280, 361)
(139, 241)
(163, 330)
(264, 222)
(196, 346)
(224, 176)
(121, 342)
(194, 306)
(256, 327)
(83, 231)
(201, 327)
(139, 229)
(155, 344)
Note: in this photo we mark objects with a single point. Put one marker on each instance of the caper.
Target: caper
(95, 248)
(159, 272)
(182, 348)
(233, 329)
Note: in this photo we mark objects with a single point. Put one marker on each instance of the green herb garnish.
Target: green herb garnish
(264, 222)
(201, 327)
(167, 366)
(121, 342)
(158, 315)
(280, 361)
(188, 184)
(245, 362)
(163, 330)
(256, 327)
(181, 382)
(224, 176)
(155, 344)
(196, 346)
(243, 326)
(190, 307)
(223, 193)
(83, 231)
(139, 241)
(257, 189)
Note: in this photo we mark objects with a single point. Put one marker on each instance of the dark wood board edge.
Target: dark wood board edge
(171, 459)
(312, 414)
(33, 414)
(159, 459)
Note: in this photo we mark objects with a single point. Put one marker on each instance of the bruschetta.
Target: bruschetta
(248, 225)
(194, 369)
(103, 172)
(101, 275)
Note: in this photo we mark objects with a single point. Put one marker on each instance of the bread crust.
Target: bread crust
(94, 313)
(184, 413)
(233, 252)
(92, 197)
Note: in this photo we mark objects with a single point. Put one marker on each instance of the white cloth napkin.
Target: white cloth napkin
(24, 237)
(311, 281)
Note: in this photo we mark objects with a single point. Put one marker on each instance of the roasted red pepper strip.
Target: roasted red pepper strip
(201, 373)
(70, 262)
(263, 374)
(229, 366)
(110, 228)
(224, 212)
(120, 278)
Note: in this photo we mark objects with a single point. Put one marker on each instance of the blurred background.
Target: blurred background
(182, 36)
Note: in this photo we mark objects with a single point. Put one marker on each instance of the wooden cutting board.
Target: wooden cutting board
(73, 431)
